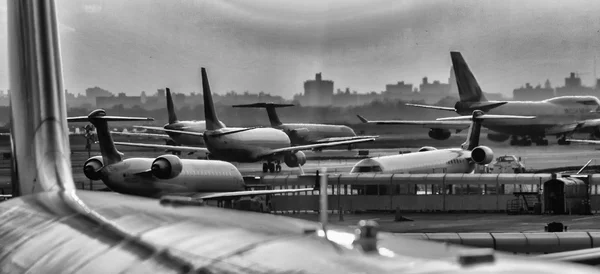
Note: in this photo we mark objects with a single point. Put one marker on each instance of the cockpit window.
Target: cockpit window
(362, 169)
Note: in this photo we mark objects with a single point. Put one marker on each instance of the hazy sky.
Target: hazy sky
(275, 45)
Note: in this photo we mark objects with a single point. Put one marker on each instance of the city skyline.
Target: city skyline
(261, 46)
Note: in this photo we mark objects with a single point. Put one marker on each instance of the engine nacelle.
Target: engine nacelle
(166, 167)
(92, 167)
(427, 149)
(439, 134)
(482, 155)
(299, 133)
(295, 160)
(497, 137)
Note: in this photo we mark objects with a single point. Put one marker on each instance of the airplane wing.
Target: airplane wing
(337, 139)
(432, 107)
(426, 124)
(141, 134)
(231, 194)
(596, 142)
(172, 130)
(167, 147)
(313, 146)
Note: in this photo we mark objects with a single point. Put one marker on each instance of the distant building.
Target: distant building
(318, 92)
(347, 98)
(573, 87)
(436, 88)
(529, 93)
(398, 91)
(121, 99)
(92, 93)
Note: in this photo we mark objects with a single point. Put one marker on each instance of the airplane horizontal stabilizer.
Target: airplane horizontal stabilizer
(432, 107)
(337, 139)
(108, 118)
(232, 132)
(175, 148)
(263, 105)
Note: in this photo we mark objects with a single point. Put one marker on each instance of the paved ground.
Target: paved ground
(467, 222)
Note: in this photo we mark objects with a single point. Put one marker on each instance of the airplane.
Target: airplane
(51, 227)
(431, 160)
(165, 175)
(302, 133)
(173, 128)
(272, 146)
(558, 116)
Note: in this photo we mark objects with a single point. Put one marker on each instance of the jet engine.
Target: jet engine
(482, 155)
(299, 133)
(166, 167)
(427, 149)
(92, 167)
(496, 137)
(439, 134)
(295, 159)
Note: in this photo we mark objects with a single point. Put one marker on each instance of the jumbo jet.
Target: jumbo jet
(303, 133)
(432, 160)
(200, 180)
(272, 146)
(51, 227)
(558, 116)
(173, 128)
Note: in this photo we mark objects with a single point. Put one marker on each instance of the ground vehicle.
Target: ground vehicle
(507, 164)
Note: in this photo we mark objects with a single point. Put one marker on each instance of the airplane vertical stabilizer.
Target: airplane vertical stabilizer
(39, 132)
(210, 115)
(271, 112)
(170, 108)
(468, 88)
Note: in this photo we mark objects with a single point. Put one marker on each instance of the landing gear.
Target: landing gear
(540, 141)
(271, 167)
(516, 141)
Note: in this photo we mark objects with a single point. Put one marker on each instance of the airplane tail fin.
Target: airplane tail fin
(99, 119)
(468, 88)
(171, 108)
(273, 117)
(210, 115)
(475, 128)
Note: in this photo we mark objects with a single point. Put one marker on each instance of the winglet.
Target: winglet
(362, 119)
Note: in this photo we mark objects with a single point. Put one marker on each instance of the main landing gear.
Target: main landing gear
(271, 167)
(527, 141)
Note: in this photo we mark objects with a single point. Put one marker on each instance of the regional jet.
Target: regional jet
(50, 227)
(558, 116)
(165, 175)
(303, 133)
(272, 146)
(432, 160)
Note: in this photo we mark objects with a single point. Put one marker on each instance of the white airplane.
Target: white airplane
(51, 227)
(558, 116)
(270, 145)
(165, 175)
(432, 160)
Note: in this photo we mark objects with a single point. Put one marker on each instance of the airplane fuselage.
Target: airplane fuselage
(304, 134)
(183, 139)
(245, 146)
(453, 160)
(553, 116)
(212, 176)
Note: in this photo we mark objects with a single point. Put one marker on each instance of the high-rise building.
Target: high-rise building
(318, 92)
